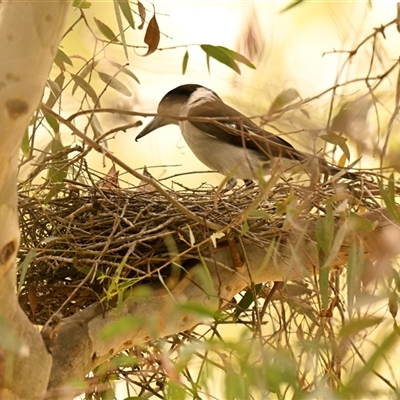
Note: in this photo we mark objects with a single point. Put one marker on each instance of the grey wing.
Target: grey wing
(241, 131)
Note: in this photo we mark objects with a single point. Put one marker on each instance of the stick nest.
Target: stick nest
(89, 242)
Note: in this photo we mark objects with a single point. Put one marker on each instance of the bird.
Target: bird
(227, 141)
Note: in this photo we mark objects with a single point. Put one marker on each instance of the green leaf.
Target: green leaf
(208, 63)
(237, 57)
(53, 192)
(220, 55)
(55, 90)
(121, 28)
(61, 56)
(259, 214)
(54, 124)
(323, 279)
(86, 269)
(85, 71)
(125, 70)
(106, 31)
(23, 267)
(81, 4)
(361, 224)
(283, 99)
(245, 227)
(114, 83)
(25, 146)
(185, 62)
(246, 301)
(175, 391)
(85, 87)
(126, 10)
(57, 171)
(325, 233)
(388, 195)
(96, 127)
(353, 278)
(324, 236)
(337, 140)
(291, 5)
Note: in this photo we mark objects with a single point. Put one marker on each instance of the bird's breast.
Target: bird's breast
(220, 155)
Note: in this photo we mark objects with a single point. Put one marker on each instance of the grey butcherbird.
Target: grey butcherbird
(231, 144)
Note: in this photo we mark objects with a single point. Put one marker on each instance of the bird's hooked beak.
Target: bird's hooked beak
(155, 123)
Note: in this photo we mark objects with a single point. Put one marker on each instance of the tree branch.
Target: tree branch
(293, 255)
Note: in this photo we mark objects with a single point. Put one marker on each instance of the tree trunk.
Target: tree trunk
(29, 37)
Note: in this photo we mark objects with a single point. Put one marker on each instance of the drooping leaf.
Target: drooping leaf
(152, 36)
(57, 171)
(245, 228)
(246, 300)
(324, 236)
(125, 70)
(96, 127)
(25, 146)
(142, 13)
(85, 71)
(185, 62)
(55, 92)
(337, 140)
(354, 326)
(354, 272)
(106, 30)
(85, 87)
(221, 56)
(55, 89)
(398, 81)
(120, 28)
(114, 83)
(61, 56)
(291, 5)
(52, 122)
(237, 57)
(389, 197)
(23, 267)
(283, 99)
(208, 63)
(126, 10)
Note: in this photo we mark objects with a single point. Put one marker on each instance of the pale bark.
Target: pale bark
(29, 36)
